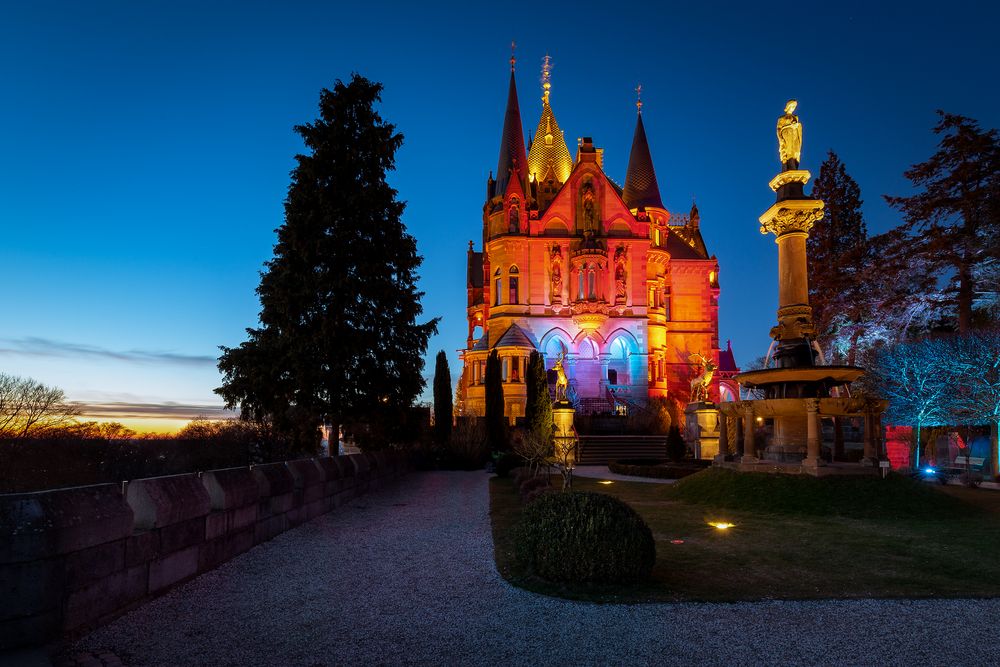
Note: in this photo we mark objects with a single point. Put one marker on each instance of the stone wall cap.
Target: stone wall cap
(162, 501)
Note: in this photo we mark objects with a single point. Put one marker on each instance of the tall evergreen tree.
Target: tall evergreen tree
(838, 259)
(442, 399)
(538, 411)
(338, 336)
(953, 221)
(496, 423)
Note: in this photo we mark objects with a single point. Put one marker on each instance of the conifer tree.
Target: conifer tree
(338, 338)
(953, 221)
(538, 411)
(442, 399)
(838, 259)
(496, 423)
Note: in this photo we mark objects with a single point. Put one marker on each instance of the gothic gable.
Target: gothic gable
(589, 201)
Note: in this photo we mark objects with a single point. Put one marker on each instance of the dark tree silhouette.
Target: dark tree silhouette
(338, 336)
(538, 411)
(838, 260)
(953, 221)
(442, 399)
(496, 423)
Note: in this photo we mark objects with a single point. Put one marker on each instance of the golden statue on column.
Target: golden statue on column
(790, 137)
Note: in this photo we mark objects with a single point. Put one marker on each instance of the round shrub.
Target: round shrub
(532, 483)
(584, 537)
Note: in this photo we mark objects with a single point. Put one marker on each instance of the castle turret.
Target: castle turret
(513, 157)
(641, 189)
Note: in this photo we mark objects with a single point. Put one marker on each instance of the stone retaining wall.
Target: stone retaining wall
(72, 559)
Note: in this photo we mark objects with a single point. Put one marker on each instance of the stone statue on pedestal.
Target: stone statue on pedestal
(789, 137)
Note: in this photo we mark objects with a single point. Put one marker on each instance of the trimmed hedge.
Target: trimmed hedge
(656, 469)
(583, 537)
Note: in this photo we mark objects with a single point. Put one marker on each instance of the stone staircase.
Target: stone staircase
(601, 449)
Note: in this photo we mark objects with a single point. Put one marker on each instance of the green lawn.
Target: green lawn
(795, 537)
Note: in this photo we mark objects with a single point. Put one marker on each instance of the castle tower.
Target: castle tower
(549, 161)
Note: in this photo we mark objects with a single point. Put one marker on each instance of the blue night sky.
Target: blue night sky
(145, 148)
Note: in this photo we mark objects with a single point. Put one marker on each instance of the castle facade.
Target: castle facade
(574, 265)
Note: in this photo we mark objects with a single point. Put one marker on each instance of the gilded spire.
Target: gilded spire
(548, 150)
(512, 153)
(641, 188)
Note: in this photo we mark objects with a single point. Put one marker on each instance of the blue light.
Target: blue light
(929, 471)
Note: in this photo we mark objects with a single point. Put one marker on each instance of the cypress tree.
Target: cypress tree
(442, 399)
(338, 336)
(538, 412)
(496, 423)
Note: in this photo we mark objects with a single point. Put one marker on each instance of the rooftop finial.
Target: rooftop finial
(546, 77)
(638, 97)
(513, 45)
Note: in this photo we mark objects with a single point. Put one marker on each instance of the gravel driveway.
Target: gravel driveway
(406, 576)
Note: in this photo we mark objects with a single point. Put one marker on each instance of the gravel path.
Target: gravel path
(406, 576)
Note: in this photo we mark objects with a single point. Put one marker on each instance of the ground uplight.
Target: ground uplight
(721, 525)
(605, 481)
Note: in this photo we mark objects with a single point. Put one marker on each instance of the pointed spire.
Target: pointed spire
(641, 189)
(548, 150)
(512, 153)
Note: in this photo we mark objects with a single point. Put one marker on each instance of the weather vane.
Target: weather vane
(513, 45)
(638, 97)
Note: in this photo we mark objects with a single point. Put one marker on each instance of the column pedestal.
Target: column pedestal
(565, 435)
(813, 434)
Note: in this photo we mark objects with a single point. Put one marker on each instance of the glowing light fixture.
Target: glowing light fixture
(605, 481)
(721, 525)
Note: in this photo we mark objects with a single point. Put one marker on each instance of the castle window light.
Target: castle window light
(513, 296)
(505, 368)
(515, 371)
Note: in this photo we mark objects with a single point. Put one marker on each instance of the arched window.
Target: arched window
(612, 376)
(591, 283)
(513, 286)
(497, 284)
(580, 292)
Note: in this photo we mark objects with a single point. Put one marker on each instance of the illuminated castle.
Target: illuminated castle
(574, 264)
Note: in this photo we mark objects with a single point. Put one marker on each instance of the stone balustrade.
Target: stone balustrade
(73, 559)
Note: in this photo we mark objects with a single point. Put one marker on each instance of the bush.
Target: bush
(505, 463)
(676, 447)
(656, 470)
(532, 483)
(581, 537)
(535, 493)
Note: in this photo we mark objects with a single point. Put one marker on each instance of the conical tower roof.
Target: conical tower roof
(548, 149)
(512, 152)
(641, 189)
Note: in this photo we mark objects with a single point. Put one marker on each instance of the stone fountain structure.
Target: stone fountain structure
(797, 393)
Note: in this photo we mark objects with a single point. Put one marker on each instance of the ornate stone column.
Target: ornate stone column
(723, 438)
(749, 446)
(869, 447)
(814, 434)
